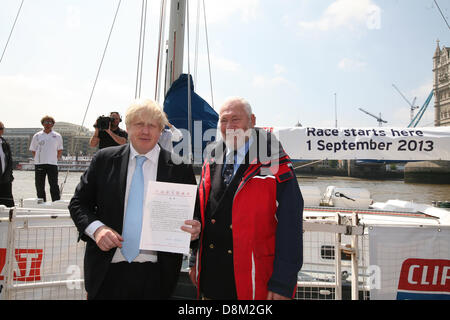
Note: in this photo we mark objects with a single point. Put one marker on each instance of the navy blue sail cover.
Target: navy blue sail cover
(203, 116)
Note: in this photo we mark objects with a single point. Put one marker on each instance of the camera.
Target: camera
(103, 122)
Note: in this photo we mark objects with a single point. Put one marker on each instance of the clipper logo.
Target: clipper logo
(424, 279)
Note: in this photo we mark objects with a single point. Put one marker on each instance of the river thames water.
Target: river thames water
(380, 190)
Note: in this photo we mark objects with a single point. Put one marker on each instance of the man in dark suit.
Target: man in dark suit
(6, 171)
(104, 204)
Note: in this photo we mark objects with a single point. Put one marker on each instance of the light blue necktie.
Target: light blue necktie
(133, 216)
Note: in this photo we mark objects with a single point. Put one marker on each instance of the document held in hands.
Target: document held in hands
(166, 207)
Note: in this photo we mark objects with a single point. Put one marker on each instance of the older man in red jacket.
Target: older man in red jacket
(251, 212)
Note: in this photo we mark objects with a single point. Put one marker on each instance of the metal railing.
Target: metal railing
(335, 260)
(43, 260)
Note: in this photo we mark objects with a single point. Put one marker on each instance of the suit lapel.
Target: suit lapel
(218, 188)
(217, 181)
(215, 169)
(165, 166)
(216, 175)
(121, 161)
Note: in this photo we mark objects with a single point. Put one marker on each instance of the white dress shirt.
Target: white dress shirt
(150, 168)
(240, 154)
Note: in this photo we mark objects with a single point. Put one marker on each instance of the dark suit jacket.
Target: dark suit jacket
(100, 195)
(7, 175)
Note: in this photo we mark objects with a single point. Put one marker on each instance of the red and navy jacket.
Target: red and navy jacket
(267, 224)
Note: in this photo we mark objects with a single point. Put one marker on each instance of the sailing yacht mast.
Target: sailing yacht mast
(175, 54)
(175, 50)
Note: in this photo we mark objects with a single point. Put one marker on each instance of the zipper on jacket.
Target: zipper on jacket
(253, 277)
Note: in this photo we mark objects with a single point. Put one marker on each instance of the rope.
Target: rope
(308, 164)
(189, 83)
(196, 43)
(93, 88)
(139, 53)
(101, 63)
(442, 14)
(140, 64)
(207, 47)
(143, 47)
(158, 59)
(12, 29)
(209, 61)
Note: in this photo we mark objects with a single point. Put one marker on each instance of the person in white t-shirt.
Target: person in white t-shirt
(47, 147)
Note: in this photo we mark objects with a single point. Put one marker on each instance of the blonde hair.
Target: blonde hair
(146, 109)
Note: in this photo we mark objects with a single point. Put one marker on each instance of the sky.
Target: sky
(294, 60)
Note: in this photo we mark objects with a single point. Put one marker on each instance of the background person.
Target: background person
(6, 171)
(104, 202)
(251, 214)
(46, 147)
(169, 136)
(111, 137)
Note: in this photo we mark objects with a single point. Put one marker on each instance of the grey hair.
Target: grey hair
(247, 106)
(233, 100)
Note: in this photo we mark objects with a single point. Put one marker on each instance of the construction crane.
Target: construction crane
(411, 105)
(414, 122)
(380, 121)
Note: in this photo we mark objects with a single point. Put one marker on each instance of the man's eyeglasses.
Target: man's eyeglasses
(47, 122)
(1, 128)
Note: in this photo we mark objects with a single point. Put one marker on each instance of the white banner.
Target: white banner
(409, 263)
(314, 143)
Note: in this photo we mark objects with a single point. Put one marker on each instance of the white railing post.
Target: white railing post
(10, 250)
(337, 261)
(354, 256)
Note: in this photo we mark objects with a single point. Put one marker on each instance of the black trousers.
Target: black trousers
(130, 281)
(6, 197)
(51, 171)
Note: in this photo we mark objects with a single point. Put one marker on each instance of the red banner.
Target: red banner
(29, 262)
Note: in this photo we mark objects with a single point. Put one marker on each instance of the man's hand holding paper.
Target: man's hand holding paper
(194, 229)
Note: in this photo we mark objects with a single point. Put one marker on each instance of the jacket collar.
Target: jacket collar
(121, 159)
(164, 163)
(256, 154)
